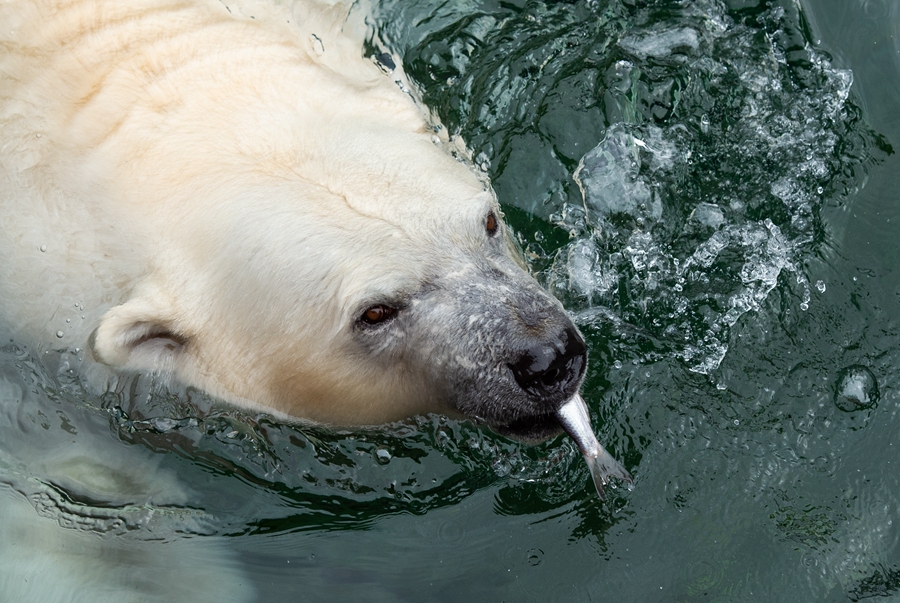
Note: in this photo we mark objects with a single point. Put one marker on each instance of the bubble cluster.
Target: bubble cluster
(697, 220)
(684, 148)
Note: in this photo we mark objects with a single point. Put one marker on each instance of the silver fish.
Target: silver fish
(575, 420)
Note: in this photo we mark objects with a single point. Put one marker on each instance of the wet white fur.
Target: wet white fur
(238, 177)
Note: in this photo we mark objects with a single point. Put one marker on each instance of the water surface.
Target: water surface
(710, 187)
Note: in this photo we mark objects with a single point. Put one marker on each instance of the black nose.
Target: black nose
(552, 367)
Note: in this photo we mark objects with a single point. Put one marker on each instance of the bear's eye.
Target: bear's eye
(377, 314)
(491, 224)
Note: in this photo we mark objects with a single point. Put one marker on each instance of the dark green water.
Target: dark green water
(719, 208)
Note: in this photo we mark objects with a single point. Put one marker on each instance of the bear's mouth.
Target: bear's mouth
(530, 429)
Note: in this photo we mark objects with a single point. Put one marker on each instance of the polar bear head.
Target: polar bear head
(310, 247)
(318, 304)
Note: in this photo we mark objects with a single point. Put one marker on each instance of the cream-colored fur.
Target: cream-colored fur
(214, 191)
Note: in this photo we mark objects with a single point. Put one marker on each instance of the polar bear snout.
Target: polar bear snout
(501, 349)
(552, 367)
(542, 377)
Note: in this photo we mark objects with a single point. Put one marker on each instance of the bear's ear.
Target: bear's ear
(137, 336)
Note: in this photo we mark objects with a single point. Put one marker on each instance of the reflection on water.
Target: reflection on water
(85, 518)
(696, 180)
(328, 480)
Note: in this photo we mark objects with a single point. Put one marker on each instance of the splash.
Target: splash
(692, 223)
(685, 148)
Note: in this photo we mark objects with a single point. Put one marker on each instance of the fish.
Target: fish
(575, 420)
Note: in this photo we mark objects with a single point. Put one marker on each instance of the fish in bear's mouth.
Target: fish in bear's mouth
(573, 418)
(541, 382)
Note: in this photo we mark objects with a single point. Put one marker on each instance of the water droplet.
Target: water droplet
(820, 463)
(163, 424)
(317, 45)
(820, 285)
(617, 364)
(386, 62)
(43, 248)
(856, 388)
(704, 123)
(804, 306)
(502, 467)
(60, 334)
(721, 387)
(382, 455)
(737, 421)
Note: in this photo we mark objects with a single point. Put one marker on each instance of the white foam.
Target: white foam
(661, 43)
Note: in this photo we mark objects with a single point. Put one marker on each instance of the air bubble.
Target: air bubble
(60, 334)
(382, 455)
(43, 248)
(820, 285)
(856, 388)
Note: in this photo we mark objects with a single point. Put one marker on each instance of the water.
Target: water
(710, 187)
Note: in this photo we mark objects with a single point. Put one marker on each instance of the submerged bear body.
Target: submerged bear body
(250, 206)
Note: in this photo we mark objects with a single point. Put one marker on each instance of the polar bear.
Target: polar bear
(229, 193)
(238, 198)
